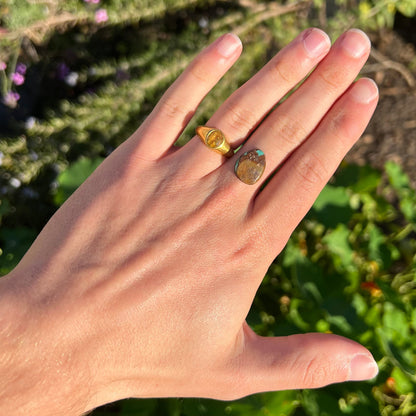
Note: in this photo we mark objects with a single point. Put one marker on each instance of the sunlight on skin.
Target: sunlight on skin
(140, 284)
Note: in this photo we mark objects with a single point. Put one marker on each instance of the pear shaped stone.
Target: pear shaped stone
(250, 166)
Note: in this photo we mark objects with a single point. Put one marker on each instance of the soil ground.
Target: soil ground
(391, 134)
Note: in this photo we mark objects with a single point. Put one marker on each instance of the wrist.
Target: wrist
(38, 376)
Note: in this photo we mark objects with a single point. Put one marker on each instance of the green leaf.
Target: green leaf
(413, 319)
(407, 196)
(201, 407)
(358, 178)
(280, 403)
(14, 244)
(331, 195)
(142, 407)
(275, 403)
(4, 208)
(70, 179)
(323, 326)
(396, 175)
(407, 7)
(373, 316)
(395, 324)
(408, 207)
(399, 357)
(23, 13)
(319, 403)
(264, 404)
(332, 206)
(338, 243)
(292, 254)
(341, 323)
(403, 384)
(296, 317)
(377, 247)
(359, 304)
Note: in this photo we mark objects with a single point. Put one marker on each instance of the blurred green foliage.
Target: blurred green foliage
(349, 268)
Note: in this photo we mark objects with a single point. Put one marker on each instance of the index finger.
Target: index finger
(180, 101)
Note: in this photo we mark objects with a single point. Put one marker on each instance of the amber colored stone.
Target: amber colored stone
(250, 166)
(215, 139)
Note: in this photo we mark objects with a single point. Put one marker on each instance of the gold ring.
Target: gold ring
(215, 140)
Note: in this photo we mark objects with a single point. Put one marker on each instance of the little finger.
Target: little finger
(294, 188)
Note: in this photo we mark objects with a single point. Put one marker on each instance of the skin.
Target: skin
(140, 284)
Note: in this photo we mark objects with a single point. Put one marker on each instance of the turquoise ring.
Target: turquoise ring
(250, 166)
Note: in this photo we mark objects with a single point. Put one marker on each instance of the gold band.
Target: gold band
(215, 140)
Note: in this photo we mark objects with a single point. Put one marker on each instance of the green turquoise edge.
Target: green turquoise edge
(258, 151)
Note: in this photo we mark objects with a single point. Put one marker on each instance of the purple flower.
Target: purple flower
(121, 76)
(62, 71)
(21, 69)
(11, 99)
(3, 66)
(18, 79)
(92, 1)
(101, 15)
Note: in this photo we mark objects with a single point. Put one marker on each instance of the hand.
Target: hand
(140, 284)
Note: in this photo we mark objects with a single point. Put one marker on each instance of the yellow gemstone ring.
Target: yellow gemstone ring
(215, 140)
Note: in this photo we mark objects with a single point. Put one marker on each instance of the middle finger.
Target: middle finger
(240, 114)
(296, 118)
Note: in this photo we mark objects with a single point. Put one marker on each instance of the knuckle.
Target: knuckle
(290, 130)
(239, 118)
(316, 373)
(199, 71)
(341, 128)
(220, 202)
(244, 250)
(283, 71)
(332, 80)
(254, 239)
(225, 194)
(172, 109)
(311, 171)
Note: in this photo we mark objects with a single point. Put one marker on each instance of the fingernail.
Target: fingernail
(355, 43)
(364, 91)
(362, 367)
(228, 44)
(316, 42)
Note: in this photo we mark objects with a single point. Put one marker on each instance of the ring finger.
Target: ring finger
(240, 114)
(296, 118)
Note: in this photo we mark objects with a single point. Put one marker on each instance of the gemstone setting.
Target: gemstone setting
(250, 166)
(215, 139)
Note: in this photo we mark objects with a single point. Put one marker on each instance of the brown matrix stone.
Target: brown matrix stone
(250, 166)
